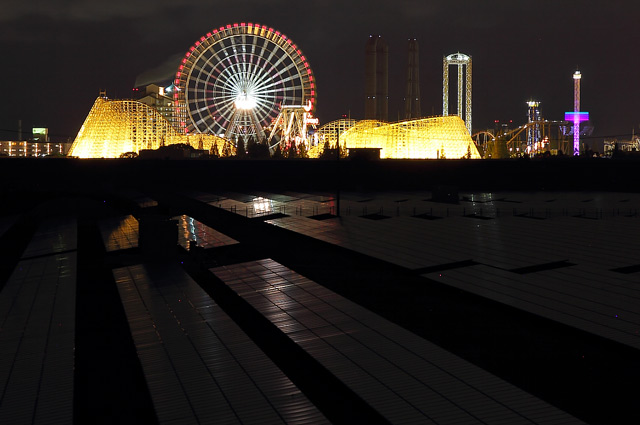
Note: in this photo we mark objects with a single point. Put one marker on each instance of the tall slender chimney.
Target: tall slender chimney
(376, 106)
(412, 93)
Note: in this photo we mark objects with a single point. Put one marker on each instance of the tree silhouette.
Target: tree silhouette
(240, 151)
(226, 150)
(304, 153)
(258, 149)
(277, 153)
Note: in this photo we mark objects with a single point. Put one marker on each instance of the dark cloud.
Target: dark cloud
(160, 73)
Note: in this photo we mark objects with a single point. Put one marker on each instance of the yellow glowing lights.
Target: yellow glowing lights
(426, 138)
(114, 127)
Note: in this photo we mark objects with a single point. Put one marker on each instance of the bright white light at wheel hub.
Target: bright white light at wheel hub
(245, 101)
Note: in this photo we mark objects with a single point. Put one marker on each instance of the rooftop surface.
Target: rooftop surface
(265, 306)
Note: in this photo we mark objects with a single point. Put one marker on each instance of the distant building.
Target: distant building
(32, 149)
(160, 99)
(412, 93)
(37, 146)
(613, 146)
(376, 79)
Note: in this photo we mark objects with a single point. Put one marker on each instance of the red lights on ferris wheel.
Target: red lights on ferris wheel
(289, 70)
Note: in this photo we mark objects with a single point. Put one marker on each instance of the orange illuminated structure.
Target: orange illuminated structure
(332, 130)
(241, 79)
(425, 138)
(115, 127)
(292, 124)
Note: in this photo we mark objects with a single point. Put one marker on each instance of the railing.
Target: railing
(431, 212)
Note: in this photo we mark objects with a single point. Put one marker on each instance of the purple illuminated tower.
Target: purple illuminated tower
(576, 116)
(576, 109)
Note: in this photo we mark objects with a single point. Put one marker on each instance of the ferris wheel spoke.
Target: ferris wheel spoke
(231, 90)
(237, 78)
(278, 86)
(286, 70)
(272, 53)
(260, 63)
(226, 93)
(226, 102)
(274, 66)
(263, 48)
(231, 84)
(272, 92)
(254, 76)
(274, 80)
(214, 59)
(200, 110)
(263, 102)
(243, 38)
(201, 121)
(239, 66)
(227, 110)
(264, 113)
(235, 65)
(255, 70)
(225, 97)
(207, 66)
(261, 78)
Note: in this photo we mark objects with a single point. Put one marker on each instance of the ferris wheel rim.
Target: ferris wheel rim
(240, 61)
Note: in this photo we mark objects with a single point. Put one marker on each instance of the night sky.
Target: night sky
(58, 54)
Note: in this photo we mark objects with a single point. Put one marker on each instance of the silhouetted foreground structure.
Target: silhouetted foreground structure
(556, 173)
(230, 291)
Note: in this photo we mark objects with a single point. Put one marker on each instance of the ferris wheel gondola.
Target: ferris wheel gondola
(235, 80)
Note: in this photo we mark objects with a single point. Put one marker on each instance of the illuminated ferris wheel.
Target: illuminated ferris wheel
(235, 80)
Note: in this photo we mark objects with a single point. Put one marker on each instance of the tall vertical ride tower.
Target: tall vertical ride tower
(376, 76)
(576, 116)
(576, 110)
(464, 86)
(412, 94)
(534, 132)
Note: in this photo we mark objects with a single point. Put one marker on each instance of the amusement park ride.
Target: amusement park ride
(557, 137)
(248, 81)
(240, 79)
(542, 136)
(292, 124)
